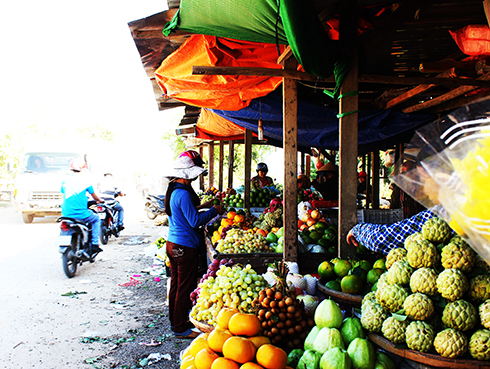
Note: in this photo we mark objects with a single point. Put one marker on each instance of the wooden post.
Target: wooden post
(395, 196)
(348, 129)
(231, 159)
(375, 188)
(211, 165)
(302, 164)
(290, 145)
(248, 164)
(201, 178)
(308, 166)
(220, 169)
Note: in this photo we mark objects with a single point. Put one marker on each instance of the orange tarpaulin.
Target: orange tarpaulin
(211, 126)
(174, 76)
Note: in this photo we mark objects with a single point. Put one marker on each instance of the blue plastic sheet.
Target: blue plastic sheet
(318, 126)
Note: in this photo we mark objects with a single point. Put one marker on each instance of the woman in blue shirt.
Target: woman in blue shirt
(184, 240)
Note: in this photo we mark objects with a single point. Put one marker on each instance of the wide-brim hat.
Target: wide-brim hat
(185, 168)
(329, 167)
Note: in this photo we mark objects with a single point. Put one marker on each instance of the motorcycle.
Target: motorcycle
(155, 205)
(108, 219)
(74, 243)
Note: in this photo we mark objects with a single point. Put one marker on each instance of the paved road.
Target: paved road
(40, 328)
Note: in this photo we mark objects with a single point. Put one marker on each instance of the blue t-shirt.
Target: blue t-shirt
(74, 190)
(185, 220)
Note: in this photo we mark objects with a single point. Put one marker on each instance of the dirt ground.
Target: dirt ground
(112, 314)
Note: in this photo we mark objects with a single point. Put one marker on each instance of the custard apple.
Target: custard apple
(394, 330)
(458, 256)
(452, 284)
(418, 306)
(382, 280)
(419, 336)
(413, 237)
(372, 317)
(399, 273)
(460, 315)
(395, 255)
(436, 230)
(479, 289)
(423, 280)
(480, 345)
(484, 310)
(368, 298)
(422, 253)
(392, 297)
(451, 343)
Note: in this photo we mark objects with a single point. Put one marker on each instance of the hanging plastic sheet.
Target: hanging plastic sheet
(451, 167)
(210, 126)
(318, 126)
(175, 78)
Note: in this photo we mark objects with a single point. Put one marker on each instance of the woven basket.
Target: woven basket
(203, 327)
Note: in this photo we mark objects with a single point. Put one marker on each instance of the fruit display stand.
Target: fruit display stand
(345, 300)
(427, 359)
(258, 261)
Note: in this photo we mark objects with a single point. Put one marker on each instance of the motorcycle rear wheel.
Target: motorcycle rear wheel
(151, 215)
(69, 258)
(104, 235)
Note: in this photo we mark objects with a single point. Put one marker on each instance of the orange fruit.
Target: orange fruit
(224, 316)
(239, 349)
(259, 340)
(351, 284)
(224, 363)
(197, 345)
(251, 366)
(187, 362)
(242, 324)
(342, 267)
(326, 271)
(271, 357)
(204, 358)
(187, 352)
(217, 338)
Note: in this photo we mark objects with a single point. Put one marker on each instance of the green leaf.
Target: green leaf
(399, 315)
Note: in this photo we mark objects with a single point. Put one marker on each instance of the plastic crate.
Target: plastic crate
(379, 216)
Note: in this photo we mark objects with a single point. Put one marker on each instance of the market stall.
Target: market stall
(246, 284)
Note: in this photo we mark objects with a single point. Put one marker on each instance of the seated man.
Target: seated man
(109, 192)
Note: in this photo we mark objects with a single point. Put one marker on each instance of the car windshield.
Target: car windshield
(46, 162)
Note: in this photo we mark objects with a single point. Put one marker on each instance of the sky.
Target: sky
(75, 63)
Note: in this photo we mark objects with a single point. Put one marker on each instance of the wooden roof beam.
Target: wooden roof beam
(418, 90)
(445, 97)
(366, 78)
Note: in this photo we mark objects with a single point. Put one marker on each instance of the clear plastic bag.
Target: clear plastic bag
(451, 168)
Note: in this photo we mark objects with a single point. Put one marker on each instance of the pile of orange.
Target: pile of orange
(235, 343)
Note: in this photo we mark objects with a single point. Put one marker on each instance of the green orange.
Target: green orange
(342, 267)
(326, 270)
(351, 284)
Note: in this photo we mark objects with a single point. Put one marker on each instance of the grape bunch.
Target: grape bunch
(211, 272)
(233, 286)
(239, 241)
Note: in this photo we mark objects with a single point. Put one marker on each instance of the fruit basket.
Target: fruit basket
(341, 298)
(432, 360)
(203, 327)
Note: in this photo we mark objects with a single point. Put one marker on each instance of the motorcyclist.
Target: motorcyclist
(109, 192)
(75, 203)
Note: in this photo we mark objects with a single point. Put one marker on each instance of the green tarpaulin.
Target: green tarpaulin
(257, 20)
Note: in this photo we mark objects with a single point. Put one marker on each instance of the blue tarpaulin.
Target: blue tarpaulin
(318, 126)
